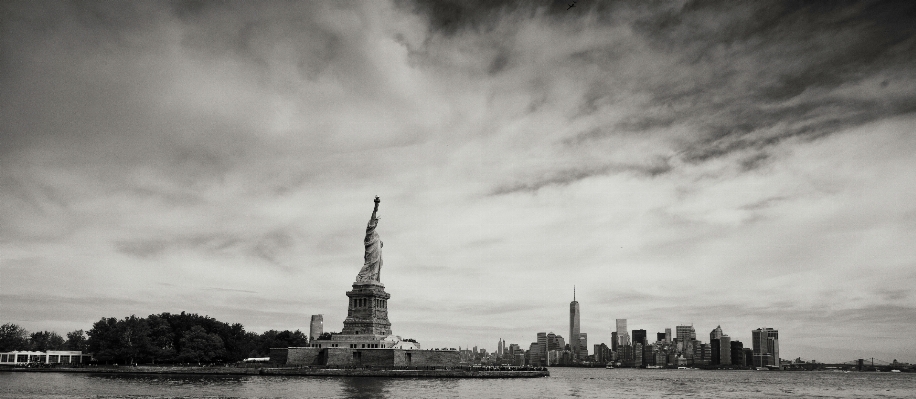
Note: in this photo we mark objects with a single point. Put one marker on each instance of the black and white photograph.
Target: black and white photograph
(457, 199)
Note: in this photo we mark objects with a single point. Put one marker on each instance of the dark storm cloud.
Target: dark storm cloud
(760, 58)
(719, 77)
(452, 16)
(654, 167)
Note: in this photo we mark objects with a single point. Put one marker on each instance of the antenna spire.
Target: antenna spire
(574, 292)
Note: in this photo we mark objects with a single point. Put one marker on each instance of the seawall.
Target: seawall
(291, 371)
(455, 373)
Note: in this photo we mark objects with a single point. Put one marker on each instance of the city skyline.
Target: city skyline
(738, 164)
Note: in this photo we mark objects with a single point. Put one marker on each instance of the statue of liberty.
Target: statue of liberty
(372, 266)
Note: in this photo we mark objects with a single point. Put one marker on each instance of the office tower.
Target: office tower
(748, 356)
(623, 338)
(715, 333)
(725, 350)
(574, 326)
(649, 358)
(583, 345)
(316, 328)
(659, 337)
(638, 354)
(514, 349)
(614, 341)
(702, 353)
(639, 337)
(561, 343)
(716, 348)
(737, 352)
(685, 334)
(542, 348)
(661, 358)
(766, 347)
(532, 354)
(553, 357)
(668, 335)
(625, 354)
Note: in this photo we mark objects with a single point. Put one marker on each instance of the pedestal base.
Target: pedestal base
(368, 310)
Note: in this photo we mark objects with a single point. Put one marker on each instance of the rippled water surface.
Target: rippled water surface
(563, 382)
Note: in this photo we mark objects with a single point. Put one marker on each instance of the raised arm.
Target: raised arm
(375, 210)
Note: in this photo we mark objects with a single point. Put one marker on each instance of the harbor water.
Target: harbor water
(563, 382)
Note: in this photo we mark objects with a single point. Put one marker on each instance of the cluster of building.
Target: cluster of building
(635, 348)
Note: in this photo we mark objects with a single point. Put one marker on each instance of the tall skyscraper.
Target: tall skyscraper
(766, 347)
(583, 345)
(533, 355)
(514, 349)
(552, 343)
(639, 337)
(685, 333)
(668, 335)
(715, 333)
(725, 350)
(500, 348)
(623, 338)
(574, 327)
(737, 352)
(316, 327)
(542, 349)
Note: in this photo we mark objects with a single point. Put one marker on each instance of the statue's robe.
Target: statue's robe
(372, 265)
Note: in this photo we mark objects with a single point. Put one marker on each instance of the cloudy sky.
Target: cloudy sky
(743, 164)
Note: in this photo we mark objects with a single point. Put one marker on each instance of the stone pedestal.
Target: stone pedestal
(368, 310)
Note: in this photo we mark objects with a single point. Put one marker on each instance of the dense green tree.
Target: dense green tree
(183, 337)
(280, 339)
(13, 337)
(199, 346)
(43, 341)
(134, 334)
(240, 343)
(325, 336)
(76, 341)
(120, 341)
(161, 340)
(103, 339)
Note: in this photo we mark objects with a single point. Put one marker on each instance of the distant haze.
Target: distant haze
(743, 164)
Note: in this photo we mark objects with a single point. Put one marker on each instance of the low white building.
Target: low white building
(49, 357)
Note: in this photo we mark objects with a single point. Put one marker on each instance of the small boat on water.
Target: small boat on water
(609, 366)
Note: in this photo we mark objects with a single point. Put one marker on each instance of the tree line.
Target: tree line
(158, 338)
(13, 337)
